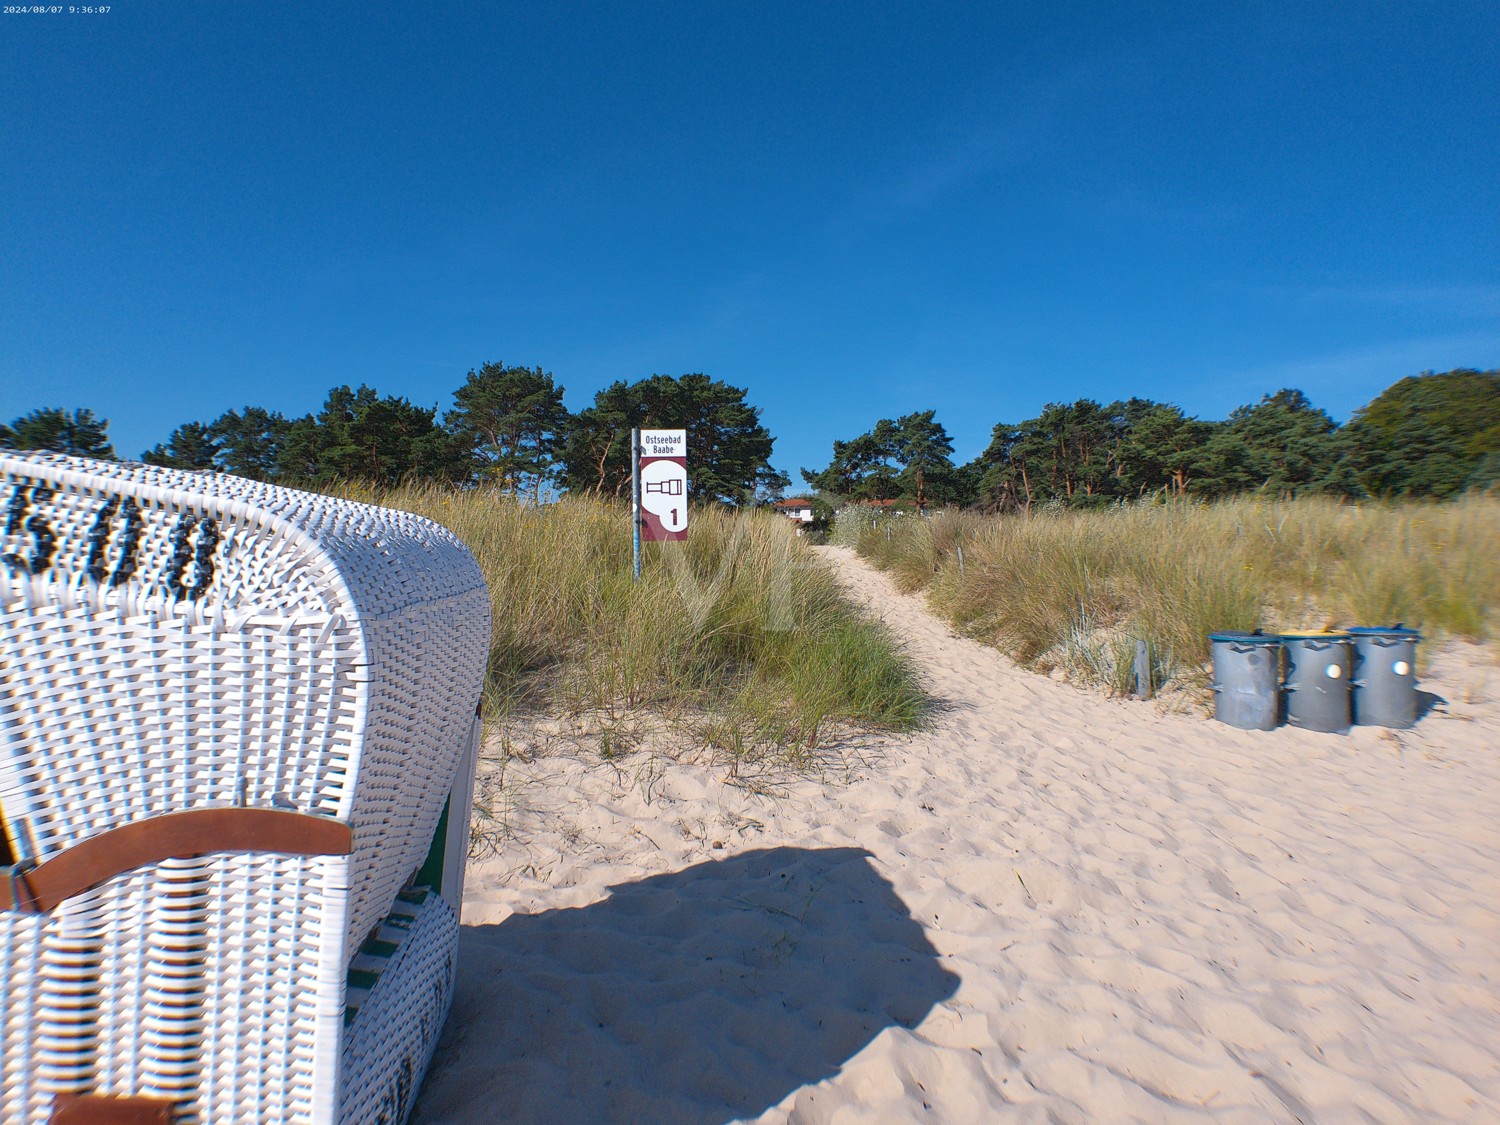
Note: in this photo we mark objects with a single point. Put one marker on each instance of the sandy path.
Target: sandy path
(1046, 907)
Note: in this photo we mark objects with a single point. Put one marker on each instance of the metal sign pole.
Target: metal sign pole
(635, 499)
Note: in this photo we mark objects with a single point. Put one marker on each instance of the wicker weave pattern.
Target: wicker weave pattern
(21, 1096)
(391, 1037)
(180, 640)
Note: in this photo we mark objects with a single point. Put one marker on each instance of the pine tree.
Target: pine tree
(78, 433)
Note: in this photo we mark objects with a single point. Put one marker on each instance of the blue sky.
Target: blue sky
(853, 210)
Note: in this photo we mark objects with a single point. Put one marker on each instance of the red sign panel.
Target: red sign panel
(663, 513)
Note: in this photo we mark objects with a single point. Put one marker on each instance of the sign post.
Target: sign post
(635, 502)
(659, 487)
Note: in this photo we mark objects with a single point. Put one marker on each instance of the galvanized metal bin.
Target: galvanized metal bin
(1318, 669)
(1385, 680)
(1247, 667)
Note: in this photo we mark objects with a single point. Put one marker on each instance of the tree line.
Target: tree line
(508, 429)
(1432, 435)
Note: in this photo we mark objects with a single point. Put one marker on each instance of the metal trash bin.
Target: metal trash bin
(1385, 681)
(1317, 680)
(1246, 669)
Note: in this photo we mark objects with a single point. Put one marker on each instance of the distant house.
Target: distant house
(799, 510)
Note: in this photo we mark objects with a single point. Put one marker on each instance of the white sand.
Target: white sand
(1048, 907)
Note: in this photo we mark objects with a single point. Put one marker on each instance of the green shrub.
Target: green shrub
(739, 637)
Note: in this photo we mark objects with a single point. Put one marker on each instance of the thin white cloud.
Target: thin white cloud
(1357, 370)
(1004, 139)
(1464, 299)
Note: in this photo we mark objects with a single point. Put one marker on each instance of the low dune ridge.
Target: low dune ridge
(1045, 906)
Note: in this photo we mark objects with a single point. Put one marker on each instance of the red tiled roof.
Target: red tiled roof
(794, 503)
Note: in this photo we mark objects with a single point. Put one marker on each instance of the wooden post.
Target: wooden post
(1142, 670)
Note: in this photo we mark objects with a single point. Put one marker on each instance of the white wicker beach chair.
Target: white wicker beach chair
(231, 718)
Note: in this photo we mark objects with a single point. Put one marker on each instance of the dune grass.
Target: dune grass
(738, 640)
(1074, 589)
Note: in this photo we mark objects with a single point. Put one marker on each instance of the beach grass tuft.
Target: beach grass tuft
(1074, 590)
(738, 640)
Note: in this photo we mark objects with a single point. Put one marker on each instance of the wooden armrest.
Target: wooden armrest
(179, 835)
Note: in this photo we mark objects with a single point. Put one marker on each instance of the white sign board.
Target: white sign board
(664, 485)
(663, 443)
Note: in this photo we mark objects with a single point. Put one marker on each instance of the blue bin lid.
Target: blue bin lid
(1318, 636)
(1397, 630)
(1238, 638)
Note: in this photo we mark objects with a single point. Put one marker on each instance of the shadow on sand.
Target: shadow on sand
(1428, 702)
(702, 995)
